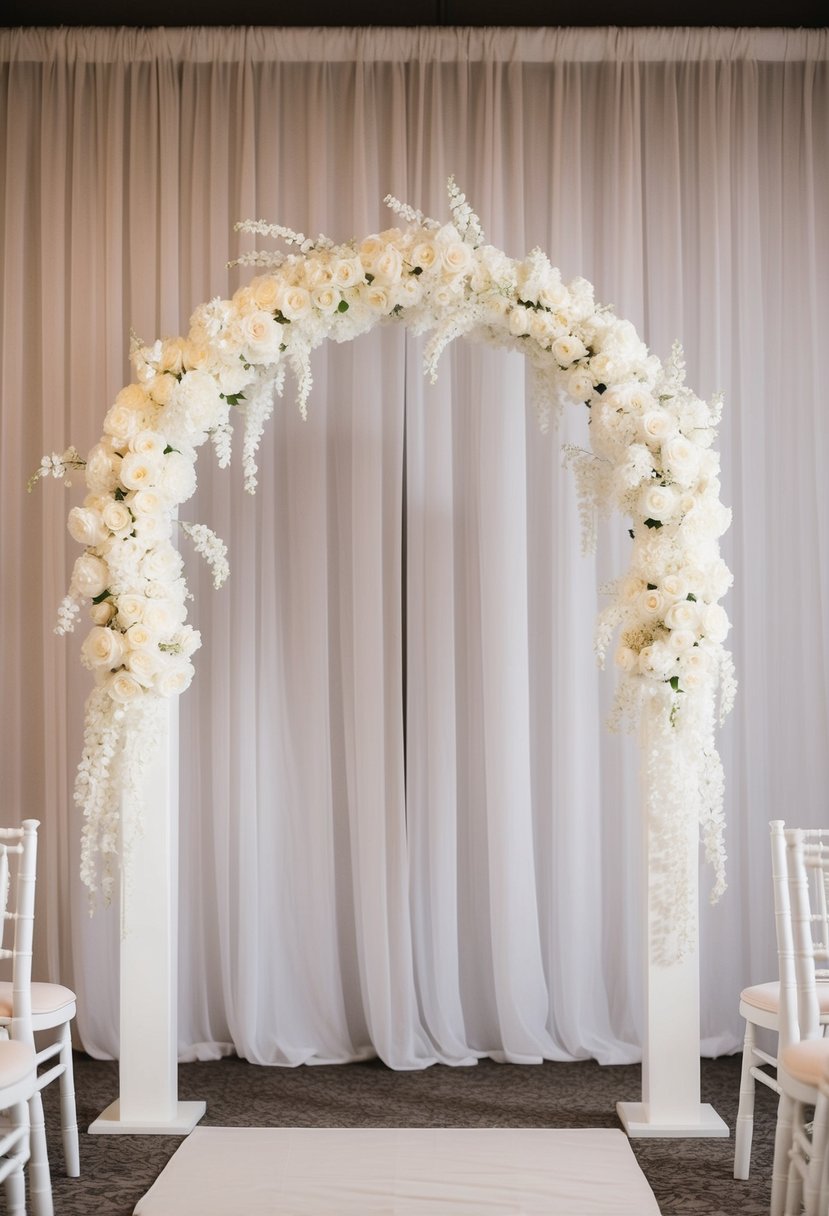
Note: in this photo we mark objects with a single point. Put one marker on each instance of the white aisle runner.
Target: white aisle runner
(241, 1171)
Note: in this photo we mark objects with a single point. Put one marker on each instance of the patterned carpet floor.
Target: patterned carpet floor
(688, 1177)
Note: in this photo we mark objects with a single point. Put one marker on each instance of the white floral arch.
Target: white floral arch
(652, 459)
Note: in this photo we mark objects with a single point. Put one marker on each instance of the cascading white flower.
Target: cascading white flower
(651, 459)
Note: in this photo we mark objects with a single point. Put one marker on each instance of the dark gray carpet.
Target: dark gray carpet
(688, 1177)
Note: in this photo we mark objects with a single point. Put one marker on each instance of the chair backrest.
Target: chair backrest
(807, 858)
(18, 868)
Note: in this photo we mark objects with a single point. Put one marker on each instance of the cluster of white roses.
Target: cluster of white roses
(651, 440)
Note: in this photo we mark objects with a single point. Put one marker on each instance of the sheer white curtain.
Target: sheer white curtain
(405, 829)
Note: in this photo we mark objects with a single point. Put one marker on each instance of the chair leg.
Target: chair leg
(782, 1144)
(797, 1164)
(40, 1183)
(68, 1115)
(15, 1184)
(744, 1129)
(817, 1160)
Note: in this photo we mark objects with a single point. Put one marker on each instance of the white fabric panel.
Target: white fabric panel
(265, 1171)
(405, 829)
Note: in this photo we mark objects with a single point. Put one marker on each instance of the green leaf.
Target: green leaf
(99, 599)
(342, 306)
(674, 683)
(417, 270)
(653, 523)
(369, 277)
(281, 318)
(233, 398)
(169, 449)
(601, 388)
(651, 586)
(691, 596)
(630, 534)
(120, 494)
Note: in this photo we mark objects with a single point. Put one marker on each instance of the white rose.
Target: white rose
(148, 443)
(102, 469)
(145, 502)
(296, 303)
(262, 335)
(567, 349)
(326, 299)
(424, 255)
(102, 613)
(162, 388)
(138, 471)
(121, 423)
(376, 298)
(680, 459)
(144, 665)
(580, 385)
(683, 614)
(410, 291)
(123, 687)
(388, 265)
(369, 250)
(674, 587)
(657, 661)
(117, 516)
(130, 609)
(657, 426)
(651, 602)
(626, 659)
(681, 640)
(86, 526)
(542, 329)
(455, 258)
(657, 502)
(714, 622)
(162, 616)
(102, 648)
(519, 320)
(139, 637)
(161, 564)
(602, 369)
(347, 272)
(90, 576)
(552, 293)
(174, 678)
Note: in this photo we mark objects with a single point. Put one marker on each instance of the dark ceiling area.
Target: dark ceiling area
(805, 13)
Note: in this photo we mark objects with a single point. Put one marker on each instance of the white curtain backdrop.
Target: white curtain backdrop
(404, 827)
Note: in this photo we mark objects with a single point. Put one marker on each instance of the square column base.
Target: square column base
(109, 1122)
(704, 1122)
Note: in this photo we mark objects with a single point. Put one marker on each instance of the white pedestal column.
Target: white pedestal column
(670, 1103)
(148, 1066)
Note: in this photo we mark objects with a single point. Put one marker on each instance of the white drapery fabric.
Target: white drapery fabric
(405, 829)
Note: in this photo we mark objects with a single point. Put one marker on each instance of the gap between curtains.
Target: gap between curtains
(450, 869)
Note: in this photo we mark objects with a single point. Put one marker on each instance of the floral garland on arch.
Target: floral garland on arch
(652, 459)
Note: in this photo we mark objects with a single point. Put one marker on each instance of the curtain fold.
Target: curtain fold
(405, 829)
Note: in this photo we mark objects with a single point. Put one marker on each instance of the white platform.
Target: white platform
(223, 1171)
(184, 1118)
(637, 1122)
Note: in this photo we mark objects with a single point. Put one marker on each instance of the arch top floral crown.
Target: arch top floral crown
(652, 459)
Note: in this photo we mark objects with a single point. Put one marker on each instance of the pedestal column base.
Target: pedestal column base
(704, 1122)
(109, 1122)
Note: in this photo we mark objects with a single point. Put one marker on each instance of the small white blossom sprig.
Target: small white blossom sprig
(212, 549)
(57, 465)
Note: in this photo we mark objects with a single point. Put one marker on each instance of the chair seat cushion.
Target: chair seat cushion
(46, 998)
(17, 1060)
(767, 997)
(806, 1061)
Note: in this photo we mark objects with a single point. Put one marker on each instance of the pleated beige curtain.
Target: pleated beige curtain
(404, 828)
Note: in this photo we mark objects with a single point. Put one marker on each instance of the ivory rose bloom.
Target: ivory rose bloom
(567, 349)
(102, 613)
(90, 576)
(117, 516)
(138, 471)
(86, 526)
(657, 502)
(103, 648)
(123, 687)
(174, 678)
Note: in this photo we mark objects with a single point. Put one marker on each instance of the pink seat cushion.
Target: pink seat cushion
(16, 1062)
(767, 997)
(807, 1061)
(46, 998)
